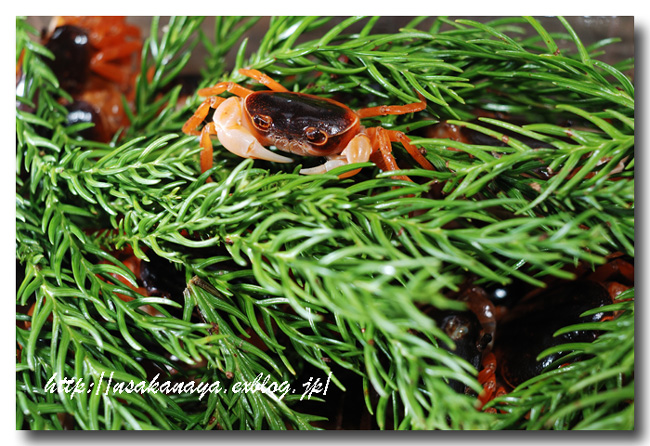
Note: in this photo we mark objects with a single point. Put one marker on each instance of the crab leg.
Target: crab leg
(383, 137)
(206, 145)
(189, 128)
(222, 87)
(487, 379)
(400, 137)
(263, 79)
(100, 62)
(384, 157)
(383, 110)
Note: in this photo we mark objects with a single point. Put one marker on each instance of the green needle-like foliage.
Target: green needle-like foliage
(286, 274)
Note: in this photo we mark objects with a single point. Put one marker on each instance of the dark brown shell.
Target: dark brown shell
(71, 48)
(161, 278)
(528, 328)
(294, 114)
(464, 329)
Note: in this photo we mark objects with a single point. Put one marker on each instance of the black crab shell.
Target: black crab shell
(529, 327)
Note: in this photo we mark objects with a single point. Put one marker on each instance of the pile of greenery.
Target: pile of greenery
(293, 276)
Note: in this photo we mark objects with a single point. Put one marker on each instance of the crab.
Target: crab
(525, 321)
(105, 46)
(298, 123)
(96, 60)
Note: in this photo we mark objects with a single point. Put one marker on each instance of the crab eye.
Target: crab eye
(262, 122)
(315, 136)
